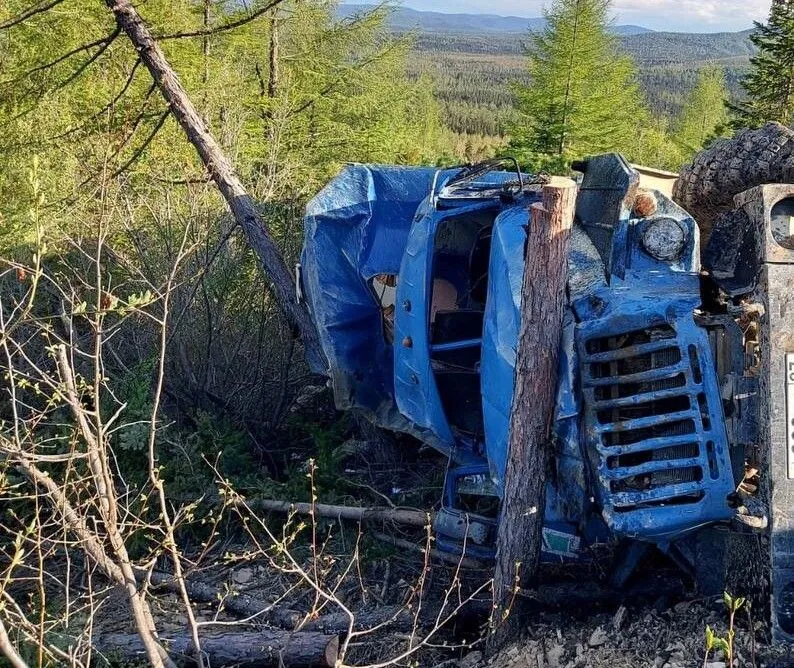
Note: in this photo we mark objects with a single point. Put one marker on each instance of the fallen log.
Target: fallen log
(406, 516)
(396, 617)
(585, 594)
(240, 604)
(260, 649)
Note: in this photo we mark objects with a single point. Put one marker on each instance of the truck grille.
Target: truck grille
(651, 426)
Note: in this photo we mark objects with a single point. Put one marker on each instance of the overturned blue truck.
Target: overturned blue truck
(413, 277)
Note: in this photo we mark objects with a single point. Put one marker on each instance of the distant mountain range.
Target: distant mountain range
(403, 19)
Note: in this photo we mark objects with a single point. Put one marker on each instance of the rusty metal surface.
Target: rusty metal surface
(777, 340)
(776, 290)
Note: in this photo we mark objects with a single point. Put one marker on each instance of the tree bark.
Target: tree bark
(543, 298)
(236, 603)
(223, 174)
(273, 56)
(406, 516)
(395, 617)
(258, 649)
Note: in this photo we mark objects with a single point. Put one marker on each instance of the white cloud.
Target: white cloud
(678, 15)
(692, 15)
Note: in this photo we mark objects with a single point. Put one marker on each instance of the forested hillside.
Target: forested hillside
(473, 73)
(404, 18)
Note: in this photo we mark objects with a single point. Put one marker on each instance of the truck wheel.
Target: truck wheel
(707, 186)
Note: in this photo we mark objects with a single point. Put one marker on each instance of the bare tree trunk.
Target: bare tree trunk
(406, 516)
(273, 76)
(542, 303)
(119, 569)
(122, 573)
(222, 173)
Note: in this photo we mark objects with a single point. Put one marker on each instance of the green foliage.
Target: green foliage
(135, 392)
(583, 96)
(656, 147)
(705, 115)
(475, 76)
(769, 87)
(716, 643)
(326, 440)
(211, 441)
(71, 93)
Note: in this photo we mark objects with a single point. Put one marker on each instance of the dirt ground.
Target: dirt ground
(658, 637)
(651, 635)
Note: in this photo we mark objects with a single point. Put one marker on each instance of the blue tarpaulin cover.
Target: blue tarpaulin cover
(356, 228)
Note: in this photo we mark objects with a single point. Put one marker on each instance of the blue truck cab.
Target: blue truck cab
(414, 277)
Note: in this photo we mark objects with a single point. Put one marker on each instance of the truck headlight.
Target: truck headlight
(664, 238)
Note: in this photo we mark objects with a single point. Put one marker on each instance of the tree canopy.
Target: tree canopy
(705, 114)
(292, 92)
(583, 96)
(769, 87)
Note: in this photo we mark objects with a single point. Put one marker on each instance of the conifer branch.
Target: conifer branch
(103, 43)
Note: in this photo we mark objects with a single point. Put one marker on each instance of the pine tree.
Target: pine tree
(704, 115)
(770, 84)
(583, 96)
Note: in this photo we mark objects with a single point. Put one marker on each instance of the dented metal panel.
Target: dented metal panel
(654, 419)
(642, 446)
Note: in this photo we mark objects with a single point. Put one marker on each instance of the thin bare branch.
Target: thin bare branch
(227, 26)
(101, 42)
(144, 145)
(40, 8)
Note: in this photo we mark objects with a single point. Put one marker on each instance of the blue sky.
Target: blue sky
(678, 15)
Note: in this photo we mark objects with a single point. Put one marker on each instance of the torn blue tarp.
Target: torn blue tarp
(355, 229)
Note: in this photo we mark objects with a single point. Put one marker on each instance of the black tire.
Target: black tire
(707, 186)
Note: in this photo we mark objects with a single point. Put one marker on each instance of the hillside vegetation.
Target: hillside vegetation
(474, 73)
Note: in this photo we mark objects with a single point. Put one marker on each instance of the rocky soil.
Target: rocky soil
(657, 637)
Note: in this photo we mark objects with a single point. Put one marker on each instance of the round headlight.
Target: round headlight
(664, 238)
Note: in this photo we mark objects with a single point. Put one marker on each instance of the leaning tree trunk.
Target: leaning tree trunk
(519, 538)
(222, 173)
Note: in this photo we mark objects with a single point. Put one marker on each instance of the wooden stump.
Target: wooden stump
(543, 298)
